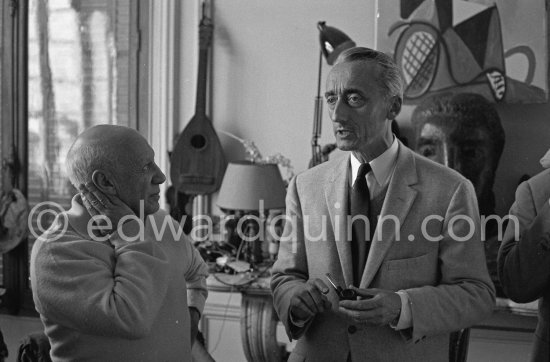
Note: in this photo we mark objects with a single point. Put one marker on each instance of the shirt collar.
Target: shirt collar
(382, 166)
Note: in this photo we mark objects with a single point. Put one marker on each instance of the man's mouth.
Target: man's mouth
(343, 132)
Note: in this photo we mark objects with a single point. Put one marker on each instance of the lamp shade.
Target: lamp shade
(245, 184)
(333, 42)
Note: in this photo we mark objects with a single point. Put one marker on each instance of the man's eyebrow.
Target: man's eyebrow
(143, 161)
(344, 92)
(352, 90)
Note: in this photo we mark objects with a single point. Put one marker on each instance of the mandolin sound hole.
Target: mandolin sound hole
(198, 141)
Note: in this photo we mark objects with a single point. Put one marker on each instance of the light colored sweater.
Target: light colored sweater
(117, 300)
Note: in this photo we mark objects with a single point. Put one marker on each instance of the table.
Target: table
(258, 318)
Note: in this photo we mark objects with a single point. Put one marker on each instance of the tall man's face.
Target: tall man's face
(467, 149)
(358, 109)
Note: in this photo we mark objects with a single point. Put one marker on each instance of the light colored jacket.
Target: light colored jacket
(447, 281)
(524, 264)
(117, 300)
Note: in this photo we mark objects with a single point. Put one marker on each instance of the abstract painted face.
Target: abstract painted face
(466, 148)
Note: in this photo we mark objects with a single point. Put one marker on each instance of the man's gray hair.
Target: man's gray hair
(83, 159)
(390, 79)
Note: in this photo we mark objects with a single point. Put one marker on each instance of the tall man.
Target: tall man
(425, 267)
(116, 290)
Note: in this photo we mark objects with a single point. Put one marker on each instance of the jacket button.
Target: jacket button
(352, 329)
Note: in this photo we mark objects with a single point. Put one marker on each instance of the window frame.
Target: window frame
(14, 123)
(14, 75)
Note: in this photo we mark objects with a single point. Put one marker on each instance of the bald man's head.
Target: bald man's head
(119, 162)
(103, 147)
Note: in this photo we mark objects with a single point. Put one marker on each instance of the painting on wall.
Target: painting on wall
(496, 48)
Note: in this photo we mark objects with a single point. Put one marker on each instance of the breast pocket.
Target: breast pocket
(408, 272)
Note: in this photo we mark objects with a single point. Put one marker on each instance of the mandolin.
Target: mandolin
(197, 161)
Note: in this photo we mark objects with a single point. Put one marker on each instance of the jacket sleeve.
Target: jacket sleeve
(162, 225)
(290, 272)
(195, 277)
(464, 294)
(97, 288)
(524, 256)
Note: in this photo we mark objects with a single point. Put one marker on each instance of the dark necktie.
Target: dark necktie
(361, 230)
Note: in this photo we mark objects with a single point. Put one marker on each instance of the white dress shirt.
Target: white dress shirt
(382, 170)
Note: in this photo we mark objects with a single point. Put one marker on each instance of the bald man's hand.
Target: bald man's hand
(309, 300)
(98, 203)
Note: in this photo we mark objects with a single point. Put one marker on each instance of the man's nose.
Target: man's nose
(340, 111)
(159, 176)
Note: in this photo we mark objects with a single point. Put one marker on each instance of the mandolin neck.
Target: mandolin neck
(200, 105)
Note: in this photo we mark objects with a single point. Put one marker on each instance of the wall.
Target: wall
(265, 68)
(264, 80)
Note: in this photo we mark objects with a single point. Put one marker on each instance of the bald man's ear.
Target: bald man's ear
(395, 107)
(104, 181)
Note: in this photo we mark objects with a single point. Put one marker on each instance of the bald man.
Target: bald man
(108, 284)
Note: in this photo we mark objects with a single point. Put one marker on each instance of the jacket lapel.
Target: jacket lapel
(398, 201)
(336, 194)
